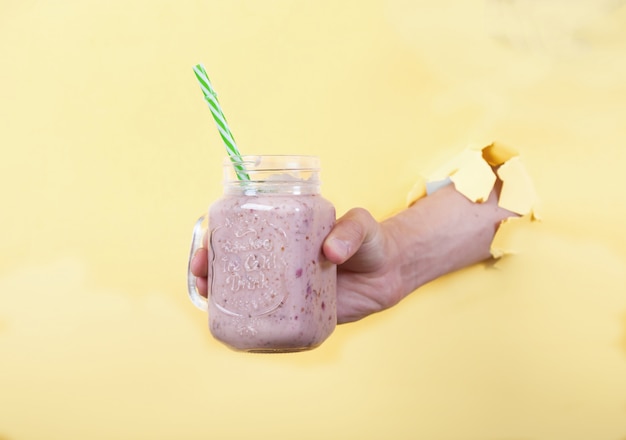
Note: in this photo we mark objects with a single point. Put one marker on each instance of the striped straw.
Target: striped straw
(220, 120)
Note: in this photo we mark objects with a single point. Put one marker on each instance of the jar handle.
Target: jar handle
(199, 229)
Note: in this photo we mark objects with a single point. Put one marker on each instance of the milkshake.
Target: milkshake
(270, 287)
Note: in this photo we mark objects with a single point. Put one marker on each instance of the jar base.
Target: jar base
(284, 350)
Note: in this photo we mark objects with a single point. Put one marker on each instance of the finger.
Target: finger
(202, 285)
(199, 268)
(348, 235)
(199, 263)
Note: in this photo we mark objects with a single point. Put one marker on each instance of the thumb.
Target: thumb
(352, 231)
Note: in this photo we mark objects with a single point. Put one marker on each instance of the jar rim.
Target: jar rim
(273, 162)
(277, 173)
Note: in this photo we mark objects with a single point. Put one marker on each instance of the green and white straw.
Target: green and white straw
(220, 120)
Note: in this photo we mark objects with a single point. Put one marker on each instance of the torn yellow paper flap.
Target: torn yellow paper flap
(497, 153)
(510, 236)
(474, 177)
(501, 244)
(518, 193)
(417, 192)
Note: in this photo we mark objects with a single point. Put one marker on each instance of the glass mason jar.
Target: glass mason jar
(270, 287)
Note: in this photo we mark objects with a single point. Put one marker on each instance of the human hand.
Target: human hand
(363, 251)
(359, 246)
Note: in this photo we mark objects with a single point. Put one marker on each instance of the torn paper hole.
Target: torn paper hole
(472, 173)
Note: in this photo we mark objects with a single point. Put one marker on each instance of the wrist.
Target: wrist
(439, 234)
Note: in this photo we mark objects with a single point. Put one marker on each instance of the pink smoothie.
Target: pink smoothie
(271, 289)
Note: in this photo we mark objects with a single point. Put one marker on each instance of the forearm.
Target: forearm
(439, 234)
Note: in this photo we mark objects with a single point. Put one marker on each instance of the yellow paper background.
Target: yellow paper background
(108, 154)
